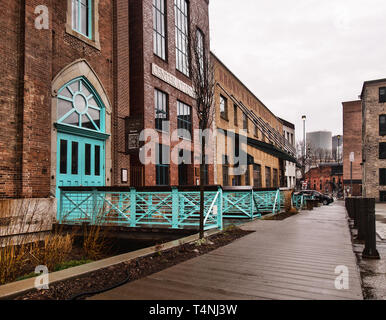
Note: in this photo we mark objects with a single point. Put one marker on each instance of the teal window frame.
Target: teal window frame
(89, 17)
(83, 83)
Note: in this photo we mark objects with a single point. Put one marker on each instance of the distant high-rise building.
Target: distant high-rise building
(319, 140)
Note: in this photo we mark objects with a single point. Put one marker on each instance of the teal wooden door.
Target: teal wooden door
(81, 161)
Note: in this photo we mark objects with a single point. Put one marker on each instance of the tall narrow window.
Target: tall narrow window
(200, 51)
(159, 28)
(87, 157)
(63, 156)
(275, 178)
(268, 177)
(82, 17)
(223, 107)
(225, 171)
(235, 120)
(257, 176)
(382, 150)
(382, 125)
(161, 110)
(382, 95)
(74, 156)
(245, 122)
(97, 161)
(181, 8)
(184, 120)
(162, 166)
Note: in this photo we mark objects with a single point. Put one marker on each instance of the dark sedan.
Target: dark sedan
(322, 198)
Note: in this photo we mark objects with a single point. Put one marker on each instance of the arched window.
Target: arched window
(80, 106)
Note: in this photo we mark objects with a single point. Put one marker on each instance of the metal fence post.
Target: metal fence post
(252, 205)
(175, 207)
(220, 209)
(370, 251)
(133, 207)
(60, 211)
(94, 212)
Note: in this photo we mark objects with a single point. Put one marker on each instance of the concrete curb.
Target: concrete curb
(14, 289)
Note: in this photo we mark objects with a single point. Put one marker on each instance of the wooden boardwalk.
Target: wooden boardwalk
(290, 259)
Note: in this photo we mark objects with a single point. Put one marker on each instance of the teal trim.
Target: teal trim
(175, 209)
(89, 19)
(81, 132)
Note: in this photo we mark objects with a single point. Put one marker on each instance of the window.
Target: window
(275, 178)
(245, 122)
(79, 106)
(82, 17)
(382, 177)
(159, 28)
(162, 165)
(63, 156)
(268, 177)
(382, 125)
(184, 120)
(257, 176)
(223, 107)
(247, 177)
(161, 110)
(382, 95)
(74, 157)
(200, 51)
(235, 115)
(182, 36)
(256, 131)
(225, 171)
(382, 150)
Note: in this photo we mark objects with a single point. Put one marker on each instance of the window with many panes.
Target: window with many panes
(161, 110)
(223, 107)
(82, 17)
(159, 28)
(382, 94)
(181, 8)
(382, 150)
(184, 120)
(162, 165)
(382, 125)
(257, 176)
(200, 47)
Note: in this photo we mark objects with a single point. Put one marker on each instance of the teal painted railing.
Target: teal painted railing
(163, 207)
(300, 200)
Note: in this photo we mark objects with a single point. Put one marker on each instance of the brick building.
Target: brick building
(161, 88)
(239, 113)
(374, 139)
(352, 142)
(326, 178)
(290, 167)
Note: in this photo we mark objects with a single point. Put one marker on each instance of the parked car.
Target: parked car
(322, 198)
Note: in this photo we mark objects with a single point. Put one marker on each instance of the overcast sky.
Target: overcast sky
(302, 56)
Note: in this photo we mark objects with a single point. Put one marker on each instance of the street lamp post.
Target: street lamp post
(304, 146)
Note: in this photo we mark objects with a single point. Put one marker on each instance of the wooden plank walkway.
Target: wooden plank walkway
(290, 259)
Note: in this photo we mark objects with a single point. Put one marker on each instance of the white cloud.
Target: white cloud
(304, 56)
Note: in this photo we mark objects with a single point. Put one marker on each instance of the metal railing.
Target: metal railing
(175, 208)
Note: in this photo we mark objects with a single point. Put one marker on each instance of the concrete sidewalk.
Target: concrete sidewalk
(291, 259)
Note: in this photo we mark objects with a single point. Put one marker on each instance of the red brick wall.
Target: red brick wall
(32, 59)
(352, 142)
(143, 82)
